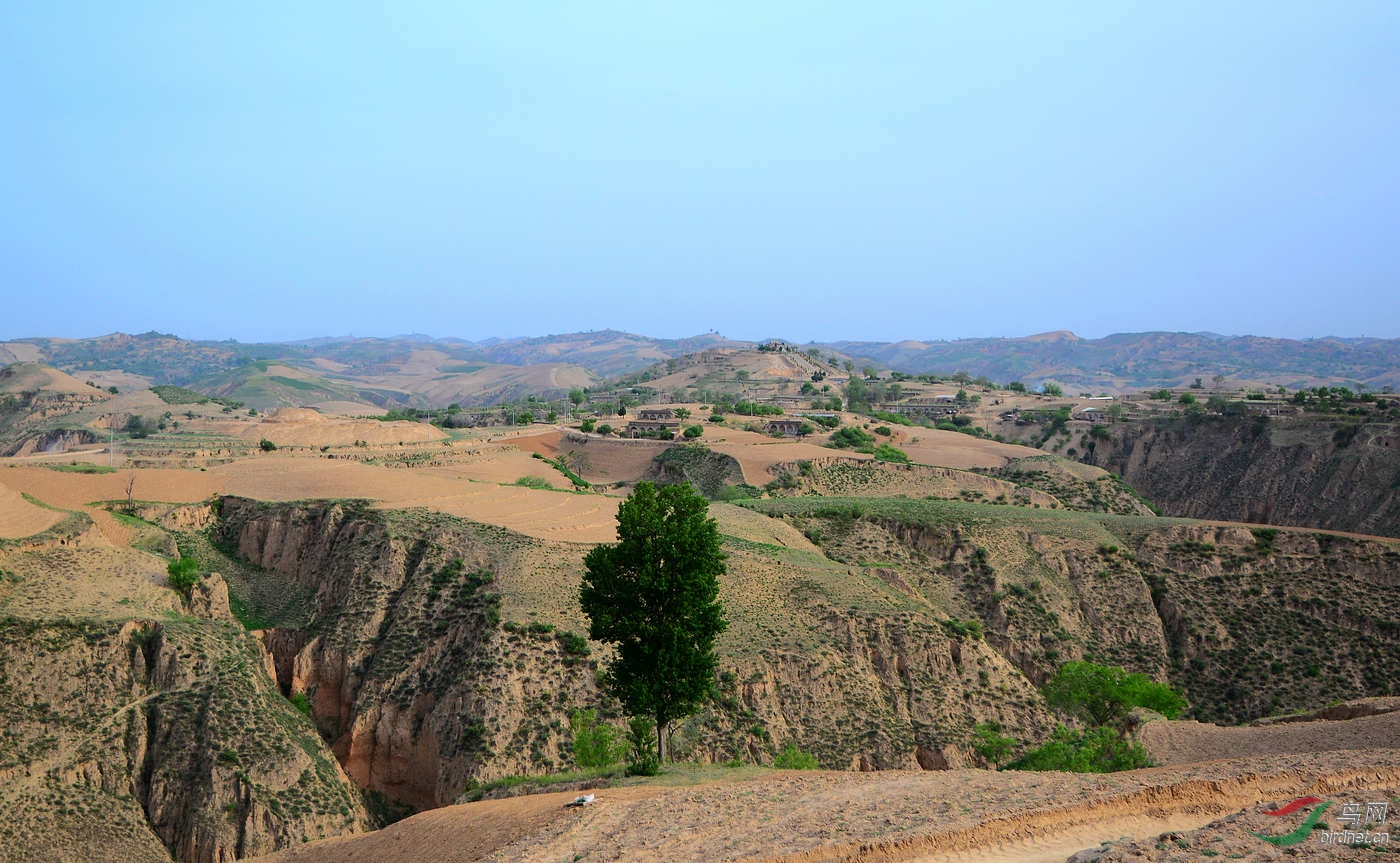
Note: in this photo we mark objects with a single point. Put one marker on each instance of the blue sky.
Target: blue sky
(815, 171)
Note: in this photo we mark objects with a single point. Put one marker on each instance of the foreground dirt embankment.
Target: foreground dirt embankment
(889, 816)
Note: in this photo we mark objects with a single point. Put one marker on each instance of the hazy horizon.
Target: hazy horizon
(789, 339)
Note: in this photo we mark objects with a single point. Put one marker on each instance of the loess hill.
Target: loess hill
(394, 621)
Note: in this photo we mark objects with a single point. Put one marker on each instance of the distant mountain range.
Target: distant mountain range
(422, 371)
(1140, 360)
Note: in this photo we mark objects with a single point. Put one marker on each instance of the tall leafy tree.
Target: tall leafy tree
(1103, 696)
(655, 595)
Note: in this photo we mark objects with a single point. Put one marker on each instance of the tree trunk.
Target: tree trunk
(660, 741)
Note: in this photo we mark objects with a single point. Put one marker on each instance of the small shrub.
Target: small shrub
(792, 758)
(693, 431)
(641, 746)
(182, 574)
(573, 644)
(300, 702)
(885, 452)
(538, 482)
(963, 628)
(266, 445)
(1098, 750)
(596, 744)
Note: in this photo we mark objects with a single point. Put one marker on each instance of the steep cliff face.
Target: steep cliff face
(145, 740)
(1263, 620)
(1245, 621)
(404, 658)
(1304, 471)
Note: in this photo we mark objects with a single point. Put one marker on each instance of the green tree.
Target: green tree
(991, 744)
(655, 595)
(1103, 696)
(182, 573)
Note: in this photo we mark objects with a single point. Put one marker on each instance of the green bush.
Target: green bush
(963, 628)
(182, 574)
(534, 482)
(991, 744)
(792, 758)
(300, 702)
(573, 644)
(641, 747)
(596, 744)
(850, 437)
(693, 431)
(885, 452)
(587, 425)
(1098, 750)
(266, 445)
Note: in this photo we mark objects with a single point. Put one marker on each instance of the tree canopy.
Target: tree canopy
(1104, 695)
(655, 595)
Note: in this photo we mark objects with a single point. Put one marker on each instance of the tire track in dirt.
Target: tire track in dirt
(1044, 834)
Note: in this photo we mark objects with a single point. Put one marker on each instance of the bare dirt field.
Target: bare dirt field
(306, 427)
(960, 815)
(472, 490)
(19, 517)
(953, 449)
(1189, 742)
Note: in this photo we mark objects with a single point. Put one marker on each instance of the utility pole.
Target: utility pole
(111, 440)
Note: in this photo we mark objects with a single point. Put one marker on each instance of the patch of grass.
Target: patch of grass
(82, 467)
(537, 482)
